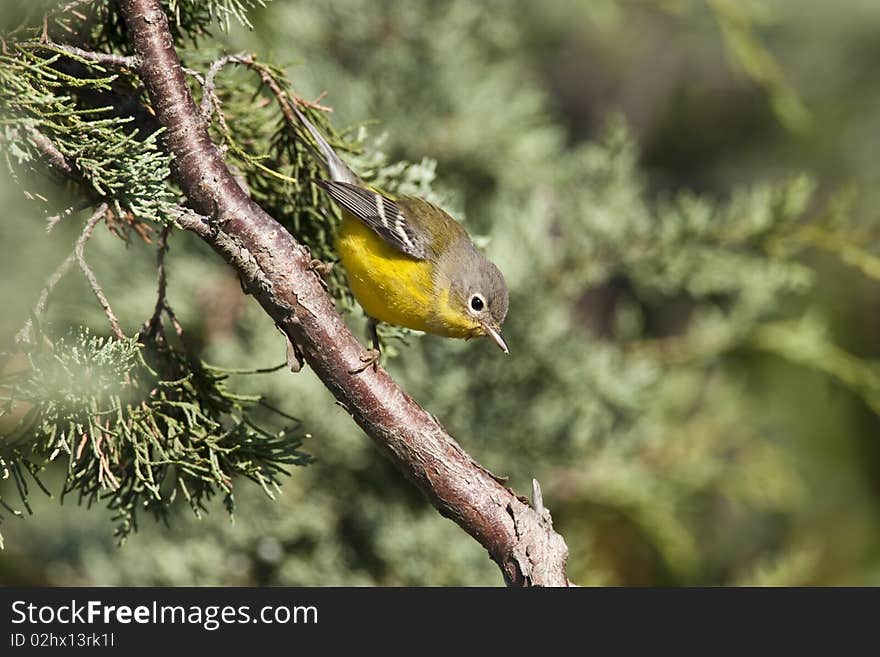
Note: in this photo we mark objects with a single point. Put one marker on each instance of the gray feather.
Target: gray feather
(381, 214)
(466, 271)
(338, 170)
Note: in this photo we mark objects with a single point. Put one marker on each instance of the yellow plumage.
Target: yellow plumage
(394, 288)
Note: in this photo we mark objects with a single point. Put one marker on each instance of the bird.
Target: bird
(408, 262)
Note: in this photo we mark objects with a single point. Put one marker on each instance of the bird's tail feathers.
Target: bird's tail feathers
(339, 171)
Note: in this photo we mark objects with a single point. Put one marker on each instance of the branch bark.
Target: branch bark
(275, 268)
(104, 59)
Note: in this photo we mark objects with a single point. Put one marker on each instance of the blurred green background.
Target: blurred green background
(682, 195)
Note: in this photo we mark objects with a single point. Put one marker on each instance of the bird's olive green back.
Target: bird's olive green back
(431, 224)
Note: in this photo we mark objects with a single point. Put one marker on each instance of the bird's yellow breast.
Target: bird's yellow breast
(392, 287)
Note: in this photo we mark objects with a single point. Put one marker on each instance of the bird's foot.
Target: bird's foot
(322, 269)
(369, 359)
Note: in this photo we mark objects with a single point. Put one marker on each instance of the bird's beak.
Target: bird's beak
(495, 334)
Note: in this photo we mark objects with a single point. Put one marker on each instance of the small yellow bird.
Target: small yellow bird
(408, 262)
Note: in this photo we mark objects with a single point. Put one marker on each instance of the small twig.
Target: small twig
(178, 327)
(162, 302)
(155, 322)
(26, 332)
(283, 98)
(109, 60)
(24, 335)
(314, 104)
(56, 276)
(105, 59)
(280, 94)
(55, 157)
(210, 101)
(54, 220)
(90, 275)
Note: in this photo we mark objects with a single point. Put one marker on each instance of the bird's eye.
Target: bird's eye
(477, 302)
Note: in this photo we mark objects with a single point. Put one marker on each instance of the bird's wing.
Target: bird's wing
(386, 217)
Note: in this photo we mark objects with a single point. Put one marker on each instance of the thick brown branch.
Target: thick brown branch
(275, 269)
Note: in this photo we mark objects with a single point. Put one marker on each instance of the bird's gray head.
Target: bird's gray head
(477, 291)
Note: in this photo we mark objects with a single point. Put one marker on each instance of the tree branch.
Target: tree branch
(53, 156)
(26, 334)
(79, 251)
(109, 60)
(275, 269)
(209, 96)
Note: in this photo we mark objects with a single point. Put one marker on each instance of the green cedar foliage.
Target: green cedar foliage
(165, 424)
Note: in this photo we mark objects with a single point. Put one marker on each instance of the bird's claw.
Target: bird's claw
(322, 269)
(369, 359)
